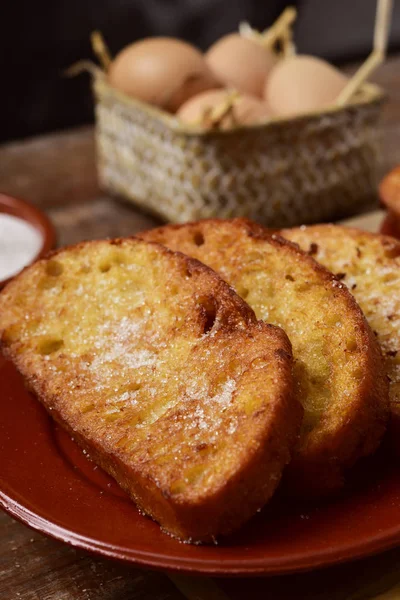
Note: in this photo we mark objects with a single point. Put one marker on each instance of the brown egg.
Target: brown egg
(245, 110)
(241, 63)
(301, 84)
(162, 71)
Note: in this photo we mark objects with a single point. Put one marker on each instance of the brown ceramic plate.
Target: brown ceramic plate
(48, 483)
(35, 217)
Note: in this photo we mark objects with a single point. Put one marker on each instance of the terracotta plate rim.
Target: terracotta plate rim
(292, 563)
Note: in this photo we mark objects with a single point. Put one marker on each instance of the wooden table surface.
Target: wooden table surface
(57, 172)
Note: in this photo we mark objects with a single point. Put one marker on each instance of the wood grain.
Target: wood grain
(34, 567)
(51, 169)
(58, 172)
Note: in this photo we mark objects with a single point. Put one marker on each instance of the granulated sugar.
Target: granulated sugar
(20, 243)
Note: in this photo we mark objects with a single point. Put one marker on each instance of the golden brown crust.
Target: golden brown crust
(369, 264)
(162, 373)
(338, 365)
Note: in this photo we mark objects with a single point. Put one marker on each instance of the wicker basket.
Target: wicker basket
(312, 168)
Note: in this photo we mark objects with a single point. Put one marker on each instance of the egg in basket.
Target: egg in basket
(249, 128)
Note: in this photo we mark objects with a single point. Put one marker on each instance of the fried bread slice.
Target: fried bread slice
(369, 265)
(338, 364)
(162, 374)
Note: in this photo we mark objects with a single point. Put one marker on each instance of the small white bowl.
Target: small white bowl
(33, 216)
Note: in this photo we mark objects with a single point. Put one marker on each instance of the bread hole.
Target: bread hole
(351, 345)
(187, 272)
(198, 238)
(104, 266)
(54, 268)
(131, 388)
(243, 292)
(289, 277)
(209, 311)
(49, 346)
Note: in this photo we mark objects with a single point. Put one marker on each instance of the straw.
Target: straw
(82, 66)
(100, 49)
(280, 30)
(377, 56)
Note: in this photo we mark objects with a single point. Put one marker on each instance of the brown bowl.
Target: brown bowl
(391, 225)
(34, 216)
(389, 191)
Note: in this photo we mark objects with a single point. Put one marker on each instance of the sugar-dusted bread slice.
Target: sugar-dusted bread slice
(162, 374)
(369, 265)
(338, 364)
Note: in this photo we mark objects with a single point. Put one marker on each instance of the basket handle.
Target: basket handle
(100, 49)
(280, 30)
(377, 56)
(83, 66)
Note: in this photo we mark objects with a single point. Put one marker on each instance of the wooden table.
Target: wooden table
(57, 172)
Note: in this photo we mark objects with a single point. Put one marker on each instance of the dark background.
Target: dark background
(38, 40)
